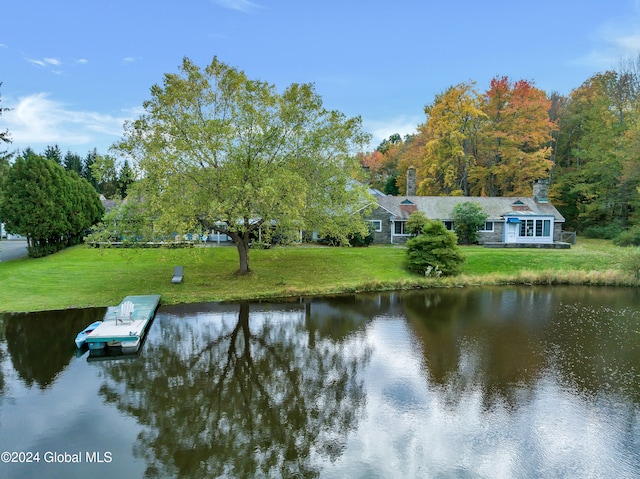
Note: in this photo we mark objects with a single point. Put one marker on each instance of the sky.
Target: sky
(73, 71)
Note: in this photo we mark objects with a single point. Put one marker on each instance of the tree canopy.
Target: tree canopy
(468, 219)
(51, 207)
(219, 151)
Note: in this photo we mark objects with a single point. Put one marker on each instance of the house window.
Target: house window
(526, 227)
(488, 226)
(377, 225)
(448, 225)
(537, 228)
(398, 228)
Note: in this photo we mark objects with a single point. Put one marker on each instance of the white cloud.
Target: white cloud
(240, 5)
(383, 129)
(36, 119)
(615, 40)
(39, 63)
(45, 62)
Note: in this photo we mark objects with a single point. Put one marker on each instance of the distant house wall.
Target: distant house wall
(557, 231)
(495, 236)
(384, 218)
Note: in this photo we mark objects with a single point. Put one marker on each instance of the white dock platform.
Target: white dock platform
(127, 327)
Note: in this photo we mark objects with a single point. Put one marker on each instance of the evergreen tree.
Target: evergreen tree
(73, 162)
(87, 169)
(125, 179)
(51, 207)
(53, 153)
(434, 251)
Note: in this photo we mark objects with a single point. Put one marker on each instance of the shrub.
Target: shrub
(435, 251)
(631, 237)
(357, 239)
(416, 223)
(609, 231)
(353, 239)
(468, 219)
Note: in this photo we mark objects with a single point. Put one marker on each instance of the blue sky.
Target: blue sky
(72, 71)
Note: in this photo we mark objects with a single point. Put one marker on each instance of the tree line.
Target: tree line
(53, 200)
(496, 142)
(220, 151)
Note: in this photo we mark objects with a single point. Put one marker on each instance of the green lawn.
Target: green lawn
(81, 276)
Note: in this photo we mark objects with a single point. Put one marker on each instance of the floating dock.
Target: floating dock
(126, 325)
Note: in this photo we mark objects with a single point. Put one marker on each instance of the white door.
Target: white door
(512, 232)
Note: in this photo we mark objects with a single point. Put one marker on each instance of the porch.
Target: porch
(555, 245)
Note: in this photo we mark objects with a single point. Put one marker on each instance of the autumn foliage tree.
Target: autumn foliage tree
(493, 143)
(454, 121)
(516, 139)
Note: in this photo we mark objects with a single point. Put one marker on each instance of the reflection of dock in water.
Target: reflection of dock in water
(123, 331)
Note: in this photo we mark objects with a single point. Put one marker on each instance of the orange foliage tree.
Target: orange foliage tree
(515, 146)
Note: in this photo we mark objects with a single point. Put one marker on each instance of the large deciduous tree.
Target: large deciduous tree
(453, 122)
(596, 175)
(223, 152)
(516, 140)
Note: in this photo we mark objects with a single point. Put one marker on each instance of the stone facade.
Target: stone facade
(382, 215)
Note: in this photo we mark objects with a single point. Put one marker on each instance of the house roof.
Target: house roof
(441, 207)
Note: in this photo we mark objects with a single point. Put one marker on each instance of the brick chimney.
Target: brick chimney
(411, 181)
(541, 190)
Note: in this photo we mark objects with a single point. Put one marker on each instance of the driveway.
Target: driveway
(12, 249)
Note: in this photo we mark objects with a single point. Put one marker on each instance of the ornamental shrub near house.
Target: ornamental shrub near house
(434, 251)
(468, 218)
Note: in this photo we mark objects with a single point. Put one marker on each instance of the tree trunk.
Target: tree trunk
(242, 243)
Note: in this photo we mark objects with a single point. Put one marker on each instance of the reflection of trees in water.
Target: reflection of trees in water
(3, 353)
(247, 398)
(42, 344)
(487, 340)
(503, 340)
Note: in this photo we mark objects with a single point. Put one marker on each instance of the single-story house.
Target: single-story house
(515, 221)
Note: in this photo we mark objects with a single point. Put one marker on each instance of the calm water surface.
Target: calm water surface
(470, 383)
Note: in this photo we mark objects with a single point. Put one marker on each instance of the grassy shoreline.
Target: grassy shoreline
(82, 277)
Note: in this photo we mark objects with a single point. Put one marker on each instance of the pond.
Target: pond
(468, 383)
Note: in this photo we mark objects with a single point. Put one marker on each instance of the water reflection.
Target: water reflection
(242, 395)
(479, 383)
(38, 343)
